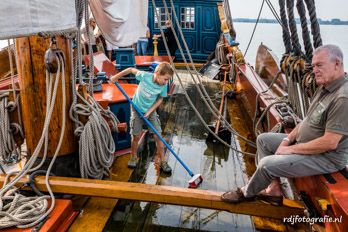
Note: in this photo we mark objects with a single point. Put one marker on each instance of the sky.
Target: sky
(326, 9)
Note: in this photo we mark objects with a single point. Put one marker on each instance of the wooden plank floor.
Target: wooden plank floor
(98, 209)
(221, 169)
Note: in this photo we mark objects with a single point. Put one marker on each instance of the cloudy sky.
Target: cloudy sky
(326, 9)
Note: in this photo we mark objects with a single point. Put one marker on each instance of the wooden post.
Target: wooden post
(155, 50)
(32, 74)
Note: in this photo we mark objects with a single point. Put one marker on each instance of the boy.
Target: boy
(149, 95)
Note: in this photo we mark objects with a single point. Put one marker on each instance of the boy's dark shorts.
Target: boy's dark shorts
(136, 123)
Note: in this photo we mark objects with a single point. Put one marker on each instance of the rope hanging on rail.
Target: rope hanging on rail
(8, 147)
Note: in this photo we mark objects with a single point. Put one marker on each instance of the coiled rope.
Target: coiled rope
(16, 209)
(96, 145)
(8, 146)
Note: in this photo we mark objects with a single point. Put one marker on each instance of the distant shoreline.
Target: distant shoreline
(262, 20)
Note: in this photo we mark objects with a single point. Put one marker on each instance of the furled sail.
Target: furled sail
(121, 22)
(30, 17)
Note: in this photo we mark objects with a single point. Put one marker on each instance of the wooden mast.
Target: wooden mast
(32, 77)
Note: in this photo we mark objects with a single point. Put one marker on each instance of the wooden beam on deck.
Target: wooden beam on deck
(183, 65)
(164, 195)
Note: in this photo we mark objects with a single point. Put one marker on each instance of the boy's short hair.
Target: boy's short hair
(164, 68)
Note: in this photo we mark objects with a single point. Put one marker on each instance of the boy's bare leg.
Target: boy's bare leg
(160, 154)
(134, 145)
(159, 149)
(133, 161)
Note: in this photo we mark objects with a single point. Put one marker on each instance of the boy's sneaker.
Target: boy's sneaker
(132, 163)
(165, 168)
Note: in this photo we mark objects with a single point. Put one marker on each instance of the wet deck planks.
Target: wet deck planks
(221, 168)
(98, 209)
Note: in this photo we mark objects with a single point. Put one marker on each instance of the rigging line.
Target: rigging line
(274, 11)
(314, 23)
(17, 217)
(292, 24)
(15, 97)
(28, 166)
(283, 23)
(285, 28)
(188, 98)
(305, 33)
(90, 50)
(205, 97)
(252, 34)
(60, 141)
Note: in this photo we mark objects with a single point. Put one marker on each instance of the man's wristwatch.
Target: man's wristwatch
(286, 139)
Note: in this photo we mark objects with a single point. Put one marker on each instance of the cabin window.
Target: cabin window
(187, 15)
(163, 17)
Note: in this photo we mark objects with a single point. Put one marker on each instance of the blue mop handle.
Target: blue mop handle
(153, 129)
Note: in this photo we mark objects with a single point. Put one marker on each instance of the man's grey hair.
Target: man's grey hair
(334, 52)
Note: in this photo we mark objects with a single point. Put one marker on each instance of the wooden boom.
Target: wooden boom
(165, 195)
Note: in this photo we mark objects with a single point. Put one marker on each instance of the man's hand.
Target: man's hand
(284, 149)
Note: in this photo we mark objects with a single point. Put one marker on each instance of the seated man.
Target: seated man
(318, 145)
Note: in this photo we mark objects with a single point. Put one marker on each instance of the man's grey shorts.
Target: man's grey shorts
(136, 123)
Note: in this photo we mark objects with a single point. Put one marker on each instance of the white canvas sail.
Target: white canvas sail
(30, 17)
(121, 22)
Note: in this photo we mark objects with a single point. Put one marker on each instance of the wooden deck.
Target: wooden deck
(167, 204)
(99, 209)
(221, 169)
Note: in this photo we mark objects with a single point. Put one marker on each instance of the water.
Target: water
(271, 36)
(220, 167)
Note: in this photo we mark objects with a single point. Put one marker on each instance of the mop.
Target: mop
(196, 179)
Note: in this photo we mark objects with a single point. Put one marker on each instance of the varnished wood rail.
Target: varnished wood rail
(165, 195)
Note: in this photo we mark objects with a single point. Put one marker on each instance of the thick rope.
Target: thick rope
(315, 29)
(305, 33)
(16, 209)
(220, 52)
(285, 27)
(96, 148)
(292, 24)
(8, 148)
(96, 143)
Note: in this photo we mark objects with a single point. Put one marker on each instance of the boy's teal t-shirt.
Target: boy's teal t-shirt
(148, 91)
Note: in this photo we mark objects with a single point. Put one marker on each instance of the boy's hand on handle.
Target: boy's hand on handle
(113, 79)
(146, 115)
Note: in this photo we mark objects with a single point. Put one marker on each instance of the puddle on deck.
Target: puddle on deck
(220, 167)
